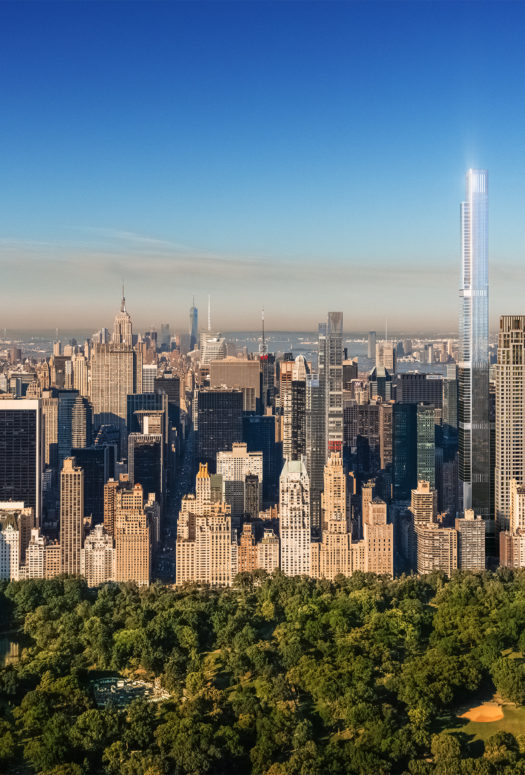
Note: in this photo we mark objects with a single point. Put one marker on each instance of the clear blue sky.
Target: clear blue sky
(304, 156)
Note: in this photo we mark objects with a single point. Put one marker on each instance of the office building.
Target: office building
(220, 418)
(371, 345)
(417, 388)
(386, 356)
(21, 453)
(71, 515)
(405, 450)
(81, 423)
(241, 374)
(95, 462)
(116, 372)
(149, 375)
(295, 525)
(234, 466)
(473, 371)
(122, 327)
(194, 326)
(259, 435)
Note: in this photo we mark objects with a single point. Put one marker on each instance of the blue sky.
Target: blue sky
(300, 156)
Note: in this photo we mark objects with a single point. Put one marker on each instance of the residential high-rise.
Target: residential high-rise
(295, 525)
(331, 372)
(333, 554)
(423, 503)
(97, 558)
(426, 444)
(315, 445)
(473, 372)
(206, 547)
(21, 452)
(471, 542)
(436, 548)
(294, 412)
(378, 536)
(71, 515)
(510, 415)
(132, 537)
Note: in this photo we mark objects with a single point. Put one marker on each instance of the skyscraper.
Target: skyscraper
(295, 519)
(71, 515)
(473, 372)
(426, 444)
(331, 375)
(21, 452)
(194, 326)
(219, 422)
(510, 414)
(122, 328)
(371, 345)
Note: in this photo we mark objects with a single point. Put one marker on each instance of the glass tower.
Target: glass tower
(473, 372)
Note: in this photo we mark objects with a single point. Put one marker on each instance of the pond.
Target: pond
(9, 650)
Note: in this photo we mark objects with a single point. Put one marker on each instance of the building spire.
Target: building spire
(123, 303)
(209, 312)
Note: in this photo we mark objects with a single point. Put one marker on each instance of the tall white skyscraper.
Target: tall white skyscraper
(294, 505)
(473, 372)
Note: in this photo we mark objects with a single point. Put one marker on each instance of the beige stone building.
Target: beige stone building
(206, 548)
(436, 548)
(71, 515)
(509, 463)
(132, 537)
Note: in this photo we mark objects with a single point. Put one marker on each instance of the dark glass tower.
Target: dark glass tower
(219, 423)
(21, 452)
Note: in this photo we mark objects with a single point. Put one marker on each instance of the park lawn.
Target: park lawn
(513, 721)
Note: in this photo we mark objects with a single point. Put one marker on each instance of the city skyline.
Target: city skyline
(299, 172)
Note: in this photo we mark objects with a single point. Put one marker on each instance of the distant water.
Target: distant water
(40, 343)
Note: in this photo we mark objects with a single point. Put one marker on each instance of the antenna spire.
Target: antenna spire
(123, 303)
(209, 312)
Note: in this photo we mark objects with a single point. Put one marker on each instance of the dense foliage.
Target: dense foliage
(276, 676)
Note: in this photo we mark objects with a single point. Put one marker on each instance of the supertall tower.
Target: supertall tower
(194, 325)
(473, 372)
